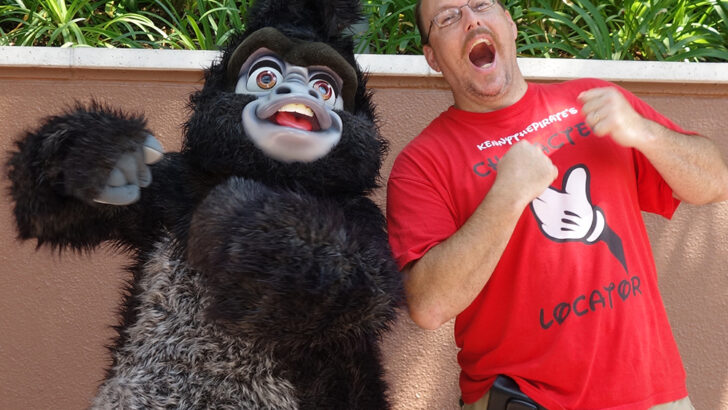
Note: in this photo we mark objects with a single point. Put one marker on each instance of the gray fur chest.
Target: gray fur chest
(174, 358)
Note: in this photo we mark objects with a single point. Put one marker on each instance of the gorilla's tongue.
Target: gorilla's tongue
(293, 120)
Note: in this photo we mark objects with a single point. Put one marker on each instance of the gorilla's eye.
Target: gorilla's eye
(266, 79)
(323, 88)
(325, 85)
(260, 73)
(263, 78)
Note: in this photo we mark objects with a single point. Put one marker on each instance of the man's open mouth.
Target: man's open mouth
(482, 53)
(297, 116)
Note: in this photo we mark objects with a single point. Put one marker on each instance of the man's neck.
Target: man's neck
(480, 103)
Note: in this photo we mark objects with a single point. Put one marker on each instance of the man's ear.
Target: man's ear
(430, 57)
(514, 28)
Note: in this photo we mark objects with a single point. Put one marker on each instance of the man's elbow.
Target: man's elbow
(724, 192)
(723, 196)
(424, 305)
(721, 188)
(719, 196)
(717, 193)
(427, 318)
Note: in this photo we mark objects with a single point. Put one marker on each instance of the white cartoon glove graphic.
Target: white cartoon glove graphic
(568, 214)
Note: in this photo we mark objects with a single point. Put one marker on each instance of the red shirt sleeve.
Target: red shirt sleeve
(655, 195)
(418, 217)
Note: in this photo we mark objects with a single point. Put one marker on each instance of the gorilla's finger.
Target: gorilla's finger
(116, 178)
(122, 195)
(144, 175)
(127, 164)
(153, 150)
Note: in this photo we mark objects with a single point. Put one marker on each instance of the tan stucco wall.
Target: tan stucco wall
(56, 311)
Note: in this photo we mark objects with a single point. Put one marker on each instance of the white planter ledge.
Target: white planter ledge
(376, 65)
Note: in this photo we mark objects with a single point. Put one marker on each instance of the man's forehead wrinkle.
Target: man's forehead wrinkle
(442, 5)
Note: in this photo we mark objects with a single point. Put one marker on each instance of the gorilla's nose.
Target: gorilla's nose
(295, 84)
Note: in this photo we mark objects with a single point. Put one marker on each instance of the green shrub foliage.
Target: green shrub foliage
(664, 30)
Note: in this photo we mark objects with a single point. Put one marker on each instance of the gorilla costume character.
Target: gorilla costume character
(262, 276)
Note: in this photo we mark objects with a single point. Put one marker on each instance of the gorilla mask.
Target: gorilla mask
(298, 84)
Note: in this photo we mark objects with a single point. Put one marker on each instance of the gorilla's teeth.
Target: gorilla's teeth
(297, 108)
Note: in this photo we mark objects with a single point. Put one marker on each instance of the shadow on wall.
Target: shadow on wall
(421, 366)
(691, 251)
(55, 313)
(695, 294)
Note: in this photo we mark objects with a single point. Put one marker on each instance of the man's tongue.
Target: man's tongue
(293, 120)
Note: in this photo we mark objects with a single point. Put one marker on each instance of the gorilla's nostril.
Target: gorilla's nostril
(283, 90)
(315, 94)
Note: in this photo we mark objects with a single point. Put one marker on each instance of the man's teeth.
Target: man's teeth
(297, 108)
(488, 43)
(482, 40)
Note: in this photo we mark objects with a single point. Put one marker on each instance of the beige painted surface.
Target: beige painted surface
(56, 311)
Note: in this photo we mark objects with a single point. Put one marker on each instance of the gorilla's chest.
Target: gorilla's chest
(173, 357)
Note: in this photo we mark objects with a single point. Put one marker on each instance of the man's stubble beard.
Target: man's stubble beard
(473, 89)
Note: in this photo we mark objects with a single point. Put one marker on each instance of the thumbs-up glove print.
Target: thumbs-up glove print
(568, 214)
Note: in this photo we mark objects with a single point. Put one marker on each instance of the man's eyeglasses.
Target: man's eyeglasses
(452, 15)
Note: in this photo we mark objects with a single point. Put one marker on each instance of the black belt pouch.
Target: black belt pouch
(505, 395)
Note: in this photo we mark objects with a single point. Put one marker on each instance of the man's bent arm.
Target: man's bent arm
(692, 166)
(450, 275)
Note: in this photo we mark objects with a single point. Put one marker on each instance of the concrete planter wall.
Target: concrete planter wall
(56, 312)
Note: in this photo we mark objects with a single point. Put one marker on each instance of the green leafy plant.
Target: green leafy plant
(75, 23)
(198, 24)
(680, 30)
(671, 30)
(390, 28)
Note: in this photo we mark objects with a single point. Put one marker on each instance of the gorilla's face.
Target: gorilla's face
(282, 110)
(292, 118)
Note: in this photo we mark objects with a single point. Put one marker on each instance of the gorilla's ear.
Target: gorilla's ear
(328, 18)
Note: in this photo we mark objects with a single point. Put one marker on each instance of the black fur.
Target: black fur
(256, 283)
(323, 19)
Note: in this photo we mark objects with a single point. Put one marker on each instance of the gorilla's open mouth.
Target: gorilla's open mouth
(292, 129)
(298, 116)
(482, 54)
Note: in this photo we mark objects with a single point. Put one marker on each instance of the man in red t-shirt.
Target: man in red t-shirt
(518, 212)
